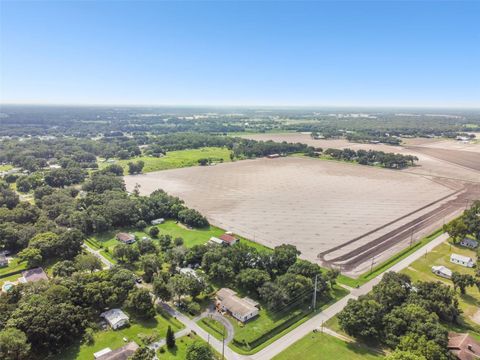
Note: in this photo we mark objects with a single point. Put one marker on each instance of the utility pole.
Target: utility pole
(315, 293)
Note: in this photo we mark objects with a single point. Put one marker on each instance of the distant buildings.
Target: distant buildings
(126, 238)
(442, 271)
(242, 309)
(116, 318)
(462, 260)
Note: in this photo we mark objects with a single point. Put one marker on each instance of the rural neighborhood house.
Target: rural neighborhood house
(462, 260)
(126, 238)
(242, 309)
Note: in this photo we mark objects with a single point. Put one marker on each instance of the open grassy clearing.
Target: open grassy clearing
(180, 350)
(420, 270)
(175, 159)
(190, 236)
(114, 338)
(5, 167)
(320, 346)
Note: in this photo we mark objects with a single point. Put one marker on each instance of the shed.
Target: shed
(158, 221)
(116, 318)
(123, 353)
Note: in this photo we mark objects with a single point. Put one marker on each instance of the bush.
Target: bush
(88, 337)
(194, 308)
(141, 224)
(178, 241)
(154, 232)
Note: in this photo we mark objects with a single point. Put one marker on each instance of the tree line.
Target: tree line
(372, 157)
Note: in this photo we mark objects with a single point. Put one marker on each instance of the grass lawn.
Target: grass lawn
(5, 167)
(320, 346)
(14, 265)
(114, 339)
(180, 350)
(420, 270)
(175, 159)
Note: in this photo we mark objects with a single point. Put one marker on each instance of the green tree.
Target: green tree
(32, 256)
(140, 302)
(154, 232)
(403, 355)
(199, 351)
(456, 229)
(362, 318)
(251, 279)
(143, 353)
(88, 262)
(161, 289)
(170, 339)
(13, 345)
(462, 281)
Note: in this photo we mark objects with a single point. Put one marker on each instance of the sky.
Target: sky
(382, 53)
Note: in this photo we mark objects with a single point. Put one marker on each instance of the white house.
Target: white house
(116, 318)
(242, 309)
(462, 260)
(442, 271)
(470, 243)
(158, 221)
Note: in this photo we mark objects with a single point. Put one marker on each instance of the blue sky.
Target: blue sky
(241, 53)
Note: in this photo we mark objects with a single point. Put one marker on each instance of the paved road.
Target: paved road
(302, 330)
(107, 264)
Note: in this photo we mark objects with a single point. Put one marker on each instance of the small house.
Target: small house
(123, 353)
(3, 261)
(215, 241)
(242, 309)
(442, 271)
(116, 318)
(229, 239)
(461, 260)
(126, 238)
(158, 221)
(33, 275)
(469, 243)
(463, 346)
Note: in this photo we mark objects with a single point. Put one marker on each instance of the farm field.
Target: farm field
(420, 270)
(114, 339)
(174, 159)
(315, 205)
(437, 157)
(321, 346)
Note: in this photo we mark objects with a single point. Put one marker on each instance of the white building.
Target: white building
(470, 243)
(158, 221)
(242, 309)
(462, 260)
(116, 318)
(442, 271)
